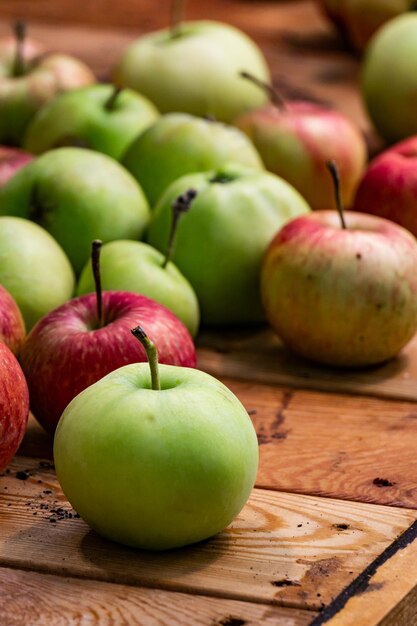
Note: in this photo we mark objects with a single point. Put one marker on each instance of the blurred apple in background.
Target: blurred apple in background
(295, 141)
(12, 325)
(77, 195)
(389, 79)
(33, 268)
(159, 459)
(389, 186)
(88, 337)
(14, 405)
(28, 81)
(179, 144)
(11, 160)
(101, 117)
(221, 240)
(342, 294)
(358, 20)
(193, 67)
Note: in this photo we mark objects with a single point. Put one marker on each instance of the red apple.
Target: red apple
(14, 405)
(70, 349)
(342, 296)
(295, 141)
(12, 326)
(11, 160)
(389, 186)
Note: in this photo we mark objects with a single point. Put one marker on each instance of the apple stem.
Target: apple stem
(177, 12)
(335, 174)
(179, 206)
(95, 262)
(112, 99)
(152, 355)
(20, 36)
(276, 98)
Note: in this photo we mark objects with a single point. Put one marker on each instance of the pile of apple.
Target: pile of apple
(193, 150)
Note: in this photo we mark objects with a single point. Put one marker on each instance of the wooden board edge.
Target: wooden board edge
(381, 595)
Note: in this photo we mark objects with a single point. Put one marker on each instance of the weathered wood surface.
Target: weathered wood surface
(32, 599)
(287, 549)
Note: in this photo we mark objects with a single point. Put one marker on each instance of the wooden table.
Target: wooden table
(328, 536)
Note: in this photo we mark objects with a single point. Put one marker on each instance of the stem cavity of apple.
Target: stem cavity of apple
(179, 206)
(177, 12)
(275, 97)
(110, 103)
(20, 36)
(152, 355)
(334, 172)
(95, 262)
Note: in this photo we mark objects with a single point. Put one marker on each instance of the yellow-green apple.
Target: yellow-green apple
(11, 160)
(136, 266)
(12, 325)
(33, 268)
(14, 405)
(389, 82)
(28, 81)
(193, 68)
(389, 186)
(86, 338)
(221, 240)
(179, 144)
(358, 20)
(156, 461)
(77, 195)
(344, 292)
(101, 117)
(295, 141)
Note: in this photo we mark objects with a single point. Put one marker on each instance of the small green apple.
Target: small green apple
(221, 240)
(193, 68)
(33, 268)
(77, 195)
(100, 117)
(156, 460)
(389, 80)
(179, 144)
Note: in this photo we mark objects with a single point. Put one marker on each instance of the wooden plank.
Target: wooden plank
(284, 549)
(29, 598)
(260, 356)
(340, 446)
(385, 594)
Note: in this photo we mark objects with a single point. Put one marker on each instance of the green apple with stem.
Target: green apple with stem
(193, 66)
(77, 195)
(179, 144)
(156, 459)
(138, 267)
(33, 268)
(221, 240)
(28, 81)
(105, 118)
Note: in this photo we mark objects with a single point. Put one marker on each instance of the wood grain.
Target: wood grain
(260, 356)
(284, 549)
(32, 599)
(320, 444)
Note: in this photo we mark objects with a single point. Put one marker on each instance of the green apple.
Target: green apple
(389, 80)
(136, 266)
(78, 195)
(156, 461)
(33, 268)
(221, 240)
(28, 81)
(100, 117)
(179, 144)
(193, 68)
